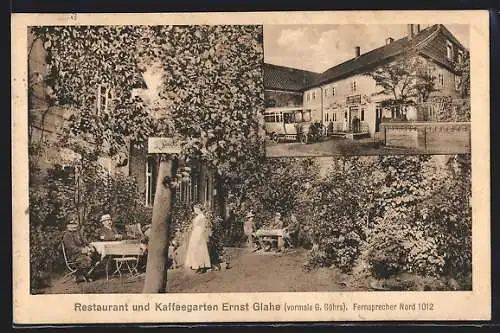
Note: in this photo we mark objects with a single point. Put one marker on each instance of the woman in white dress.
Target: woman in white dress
(197, 256)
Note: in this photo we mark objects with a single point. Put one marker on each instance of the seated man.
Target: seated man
(108, 232)
(77, 250)
(290, 232)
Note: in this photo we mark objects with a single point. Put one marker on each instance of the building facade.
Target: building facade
(344, 92)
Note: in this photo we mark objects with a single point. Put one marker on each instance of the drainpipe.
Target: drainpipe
(321, 92)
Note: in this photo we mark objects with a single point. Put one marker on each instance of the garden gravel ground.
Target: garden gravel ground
(249, 272)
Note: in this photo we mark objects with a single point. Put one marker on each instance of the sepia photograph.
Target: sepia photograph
(244, 168)
(366, 89)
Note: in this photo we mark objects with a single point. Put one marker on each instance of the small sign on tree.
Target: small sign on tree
(163, 145)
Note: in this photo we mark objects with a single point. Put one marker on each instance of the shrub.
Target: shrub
(336, 227)
(396, 247)
(83, 190)
(316, 130)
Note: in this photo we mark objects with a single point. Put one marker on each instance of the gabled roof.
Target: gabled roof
(287, 78)
(374, 57)
(426, 42)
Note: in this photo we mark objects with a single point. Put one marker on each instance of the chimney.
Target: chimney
(411, 32)
(357, 51)
(389, 40)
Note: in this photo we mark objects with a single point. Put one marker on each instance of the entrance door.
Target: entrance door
(353, 113)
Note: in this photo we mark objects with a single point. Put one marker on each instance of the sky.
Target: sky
(319, 47)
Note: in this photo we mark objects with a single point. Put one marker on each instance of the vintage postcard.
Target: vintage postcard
(250, 167)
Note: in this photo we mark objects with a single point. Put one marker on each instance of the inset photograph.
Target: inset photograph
(366, 89)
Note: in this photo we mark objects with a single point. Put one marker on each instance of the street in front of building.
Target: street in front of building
(328, 146)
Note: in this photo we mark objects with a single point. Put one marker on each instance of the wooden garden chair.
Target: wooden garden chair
(70, 265)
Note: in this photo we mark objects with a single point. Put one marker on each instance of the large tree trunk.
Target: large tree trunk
(156, 270)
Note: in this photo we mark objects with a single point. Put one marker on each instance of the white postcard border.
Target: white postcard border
(60, 309)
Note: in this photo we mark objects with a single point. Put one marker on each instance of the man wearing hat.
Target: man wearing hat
(108, 233)
(77, 250)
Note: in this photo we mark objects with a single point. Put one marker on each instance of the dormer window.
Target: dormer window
(460, 56)
(104, 97)
(449, 50)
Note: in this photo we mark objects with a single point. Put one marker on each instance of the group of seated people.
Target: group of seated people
(288, 230)
(79, 250)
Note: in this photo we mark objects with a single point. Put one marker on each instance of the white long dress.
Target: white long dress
(197, 251)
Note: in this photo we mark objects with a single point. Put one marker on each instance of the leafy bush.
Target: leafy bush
(448, 109)
(397, 247)
(424, 223)
(337, 215)
(393, 215)
(84, 191)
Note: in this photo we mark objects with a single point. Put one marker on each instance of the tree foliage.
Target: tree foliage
(463, 70)
(404, 79)
(209, 97)
(81, 189)
(339, 209)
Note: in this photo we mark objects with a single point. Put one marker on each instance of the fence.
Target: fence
(339, 127)
(445, 109)
(430, 137)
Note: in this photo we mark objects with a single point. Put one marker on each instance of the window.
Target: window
(353, 86)
(324, 92)
(460, 56)
(288, 118)
(362, 114)
(103, 98)
(333, 91)
(441, 79)
(314, 95)
(326, 116)
(150, 180)
(449, 50)
(334, 116)
(65, 173)
(184, 191)
(458, 82)
(279, 117)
